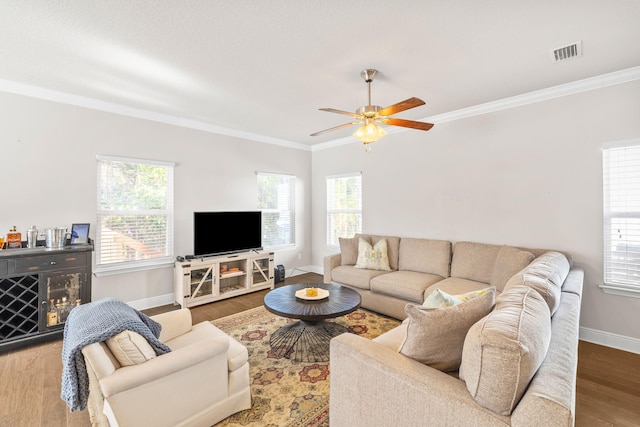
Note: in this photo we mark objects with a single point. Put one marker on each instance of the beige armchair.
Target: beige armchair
(203, 380)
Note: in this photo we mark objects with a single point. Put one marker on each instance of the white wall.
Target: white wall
(48, 175)
(529, 176)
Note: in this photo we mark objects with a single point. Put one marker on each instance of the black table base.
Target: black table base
(305, 341)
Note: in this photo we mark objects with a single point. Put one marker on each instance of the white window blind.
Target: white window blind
(276, 201)
(621, 196)
(135, 214)
(344, 207)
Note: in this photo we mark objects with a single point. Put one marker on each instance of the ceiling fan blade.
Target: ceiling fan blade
(335, 128)
(408, 123)
(333, 110)
(401, 106)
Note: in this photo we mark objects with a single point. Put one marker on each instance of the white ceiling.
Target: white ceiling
(265, 67)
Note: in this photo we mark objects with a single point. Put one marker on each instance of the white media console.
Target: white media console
(206, 279)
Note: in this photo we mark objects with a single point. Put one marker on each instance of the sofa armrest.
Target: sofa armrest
(331, 262)
(130, 377)
(174, 323)
(401, 391)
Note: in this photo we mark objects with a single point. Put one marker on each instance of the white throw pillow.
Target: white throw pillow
(373, 257)
(130, 348)
(439, 298)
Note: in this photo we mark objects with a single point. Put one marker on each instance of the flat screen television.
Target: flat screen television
(218, 233)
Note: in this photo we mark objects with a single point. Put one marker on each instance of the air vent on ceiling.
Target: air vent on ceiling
(569, 51)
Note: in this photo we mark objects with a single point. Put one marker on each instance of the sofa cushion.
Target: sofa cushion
(435, 336)
(425, 256)
(348, 250)
(373, 257)
(393, 338)
(130, 348)
(407, 285)
(393, 245)
(509, 261)
(355, 277)
(503, 351)
(545, 274)
(474, 261)
(455, 286)
(237, 354)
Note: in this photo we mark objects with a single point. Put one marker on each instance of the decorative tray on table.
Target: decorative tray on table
(322, 294)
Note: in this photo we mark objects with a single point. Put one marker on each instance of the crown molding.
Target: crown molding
(592, 83)
(110, 107)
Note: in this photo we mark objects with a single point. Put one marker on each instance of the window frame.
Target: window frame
(333, 210)
(616, 177)
(166, 260)
(291, 211)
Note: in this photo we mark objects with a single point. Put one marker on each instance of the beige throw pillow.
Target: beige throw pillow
(435, 336)
(373, 257)
(348, 250)
(130, 348)
(503, 351)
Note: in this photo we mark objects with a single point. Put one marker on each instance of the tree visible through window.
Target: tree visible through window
(276, 201)
(621, 196)
(344, 207)
(135, 213)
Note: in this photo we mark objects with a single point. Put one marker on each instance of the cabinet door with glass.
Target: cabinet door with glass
(202, 282)
(233, 276)
(261, 271)
(61, 292)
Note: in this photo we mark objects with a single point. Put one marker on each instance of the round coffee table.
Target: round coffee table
(307, 340)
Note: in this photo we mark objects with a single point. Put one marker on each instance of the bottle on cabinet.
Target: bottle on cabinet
(14, 239)
(52, 314)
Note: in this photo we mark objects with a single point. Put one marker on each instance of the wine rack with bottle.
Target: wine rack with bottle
(38, 289)
(207, 279)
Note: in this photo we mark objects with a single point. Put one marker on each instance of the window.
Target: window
(621, 196)
(135, 214)
(276, 201)
(344, 207)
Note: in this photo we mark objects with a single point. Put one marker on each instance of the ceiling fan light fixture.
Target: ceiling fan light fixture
(370, 115)
(369, 132)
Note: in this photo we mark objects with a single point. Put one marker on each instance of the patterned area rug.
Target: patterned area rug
(286, 393)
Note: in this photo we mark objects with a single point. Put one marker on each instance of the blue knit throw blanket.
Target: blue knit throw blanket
(95, 322)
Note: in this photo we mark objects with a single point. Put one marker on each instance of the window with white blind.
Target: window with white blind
(344, 207)
(135, 214)
(621, 196)
(276, 201)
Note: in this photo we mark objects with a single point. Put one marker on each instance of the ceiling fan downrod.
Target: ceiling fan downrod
(368, 76)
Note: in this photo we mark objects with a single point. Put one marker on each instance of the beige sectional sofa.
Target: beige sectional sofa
(418, 266)
(518, 363)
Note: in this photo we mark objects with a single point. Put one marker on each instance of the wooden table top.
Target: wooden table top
(283, 302)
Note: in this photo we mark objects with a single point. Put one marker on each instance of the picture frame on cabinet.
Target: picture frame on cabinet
(80, 234)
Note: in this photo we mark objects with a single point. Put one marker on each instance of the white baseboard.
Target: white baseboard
(156, 301)
(609, 339)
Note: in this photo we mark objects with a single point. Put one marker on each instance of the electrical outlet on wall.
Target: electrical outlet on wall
(300, 256)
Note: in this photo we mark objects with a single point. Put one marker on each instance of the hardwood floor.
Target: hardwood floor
(608, 386)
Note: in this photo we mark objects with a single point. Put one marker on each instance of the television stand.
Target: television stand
(207, 279)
